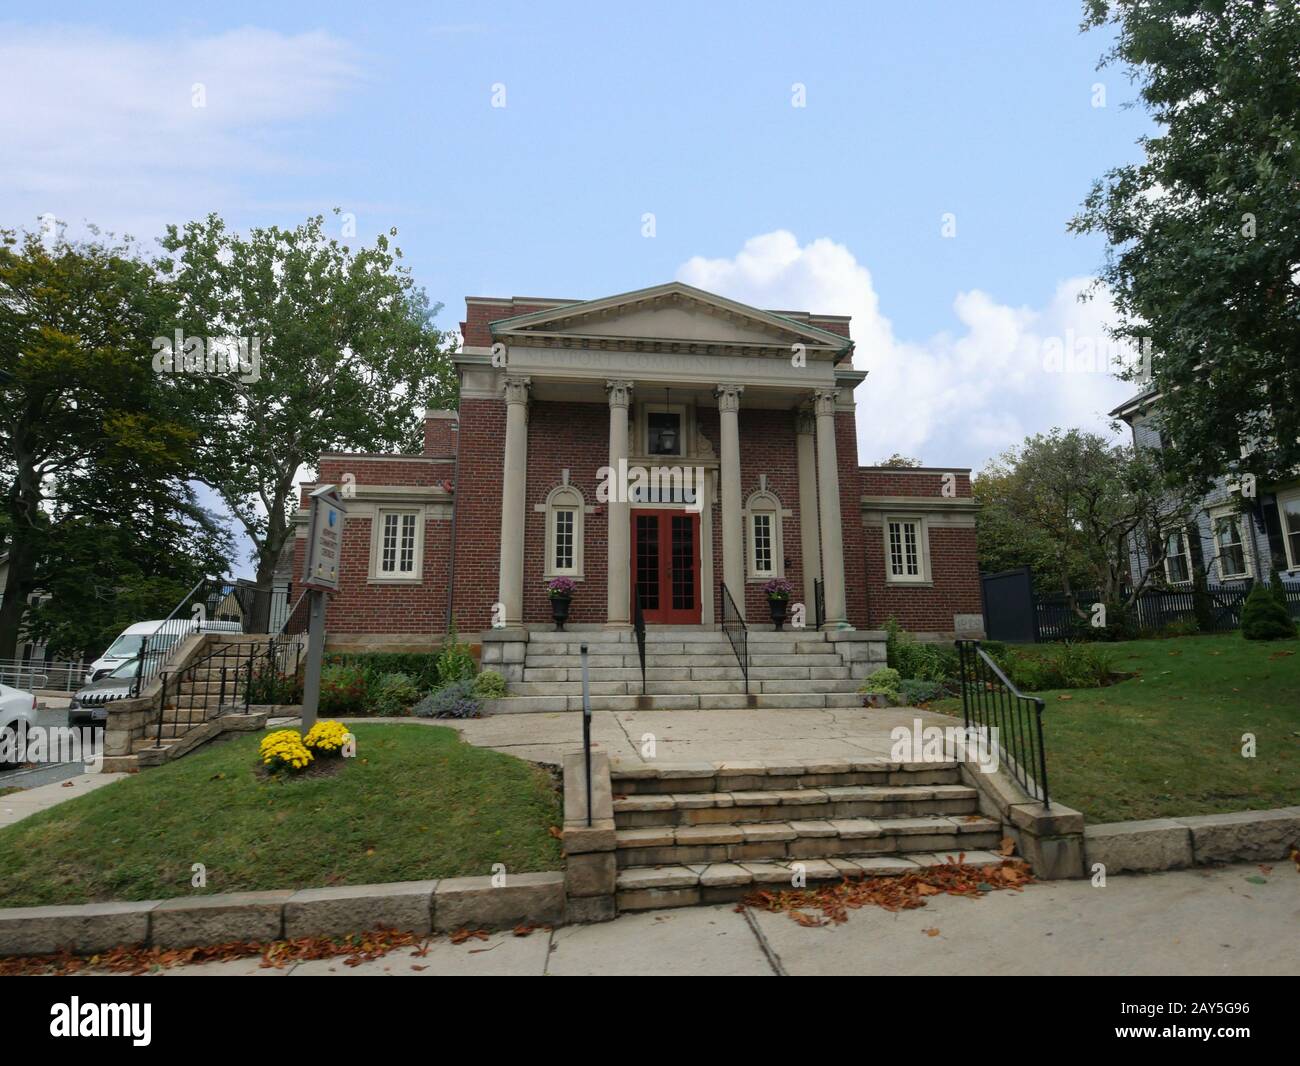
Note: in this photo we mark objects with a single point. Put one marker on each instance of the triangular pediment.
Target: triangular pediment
(673, 314)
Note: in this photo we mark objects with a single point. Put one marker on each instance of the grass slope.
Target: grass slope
(415, 803)
(1169, 741)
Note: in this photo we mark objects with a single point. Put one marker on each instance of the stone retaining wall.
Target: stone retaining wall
(1174, 843)
(414, 906)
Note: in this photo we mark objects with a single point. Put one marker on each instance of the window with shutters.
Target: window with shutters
(1231, 554)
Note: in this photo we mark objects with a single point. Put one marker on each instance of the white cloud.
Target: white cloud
(98, 126)
(956, 397)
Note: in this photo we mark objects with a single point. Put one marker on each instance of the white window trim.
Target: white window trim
(1180, 532)
(1243, 531)
(564, 498)
(765, 502)
(1283, 498)
(925, 577)
(378, 576)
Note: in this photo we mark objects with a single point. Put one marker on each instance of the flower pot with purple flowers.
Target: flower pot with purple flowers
(778, 599)
(560, 590)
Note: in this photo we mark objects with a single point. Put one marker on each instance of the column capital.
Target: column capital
(824, 401)
(620, 393)
(805, 420)
(728, 396)
(516, 388)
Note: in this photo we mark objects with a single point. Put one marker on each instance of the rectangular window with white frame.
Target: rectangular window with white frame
(907, 556)
(1231, 552)
(1178, 558)
(398, 546)
(563, 561)
(1288, 513)
(761, 527)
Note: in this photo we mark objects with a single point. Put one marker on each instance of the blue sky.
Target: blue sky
(913, 111)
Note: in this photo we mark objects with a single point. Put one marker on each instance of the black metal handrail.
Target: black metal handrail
(990, 701)
(213, 605)
(733, 624)
(819, 603)
(586, 726)
(638, 627)
(228, 673)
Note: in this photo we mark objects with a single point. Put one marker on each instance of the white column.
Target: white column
(733, 541)
(809, 533)
(510, 581)
(618, 580)
(828, 496)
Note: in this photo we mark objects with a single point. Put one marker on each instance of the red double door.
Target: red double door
(666, 565)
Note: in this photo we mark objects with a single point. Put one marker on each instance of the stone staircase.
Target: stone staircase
(712, 833)
(689, 668)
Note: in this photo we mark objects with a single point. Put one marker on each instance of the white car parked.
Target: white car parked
(17, 712)
(127, 646)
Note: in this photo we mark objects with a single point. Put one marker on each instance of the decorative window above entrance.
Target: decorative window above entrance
(665, 429)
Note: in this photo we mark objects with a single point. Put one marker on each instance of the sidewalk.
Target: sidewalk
(1205, 921)
(698, 736)
(19, 805)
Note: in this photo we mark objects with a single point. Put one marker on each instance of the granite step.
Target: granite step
(817, 838)
(782, 805)
(630, 779)
(650, 888)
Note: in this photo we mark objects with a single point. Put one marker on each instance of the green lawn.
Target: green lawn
(415, 803)
(1168, 742)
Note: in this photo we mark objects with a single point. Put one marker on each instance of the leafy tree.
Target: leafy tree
(1204, 232)
(1085, 503)
(898, 461)
(1005, 541)
(96, 512)
(339, 354)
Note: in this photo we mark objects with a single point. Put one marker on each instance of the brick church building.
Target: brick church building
(665, 442)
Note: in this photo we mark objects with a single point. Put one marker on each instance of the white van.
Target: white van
(127, 646)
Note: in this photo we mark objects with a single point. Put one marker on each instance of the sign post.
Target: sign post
(320, 577)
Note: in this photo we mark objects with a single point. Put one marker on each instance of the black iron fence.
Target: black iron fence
(1007, 719)
(1218, 610)
(733, 625)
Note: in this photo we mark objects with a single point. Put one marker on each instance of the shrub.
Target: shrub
(1067, 666)
(269, 686)
(284, 750)
(1181, 627)
(914, 693)
(421, 667)
(1279, 590)
(1263, 618)
(393, 694)
(884, 681)
(456, 700)
(912, 659)
(489, 685)
(455, 663)
(326, 738)
(342, 690)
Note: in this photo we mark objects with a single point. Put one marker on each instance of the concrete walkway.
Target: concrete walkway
(19, 805)
(697, 736)
(1194, 922)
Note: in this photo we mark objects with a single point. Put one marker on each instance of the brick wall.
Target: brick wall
(573, 436)
(478, 511)
(767, 446)
(440, 437)
(856, 584)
